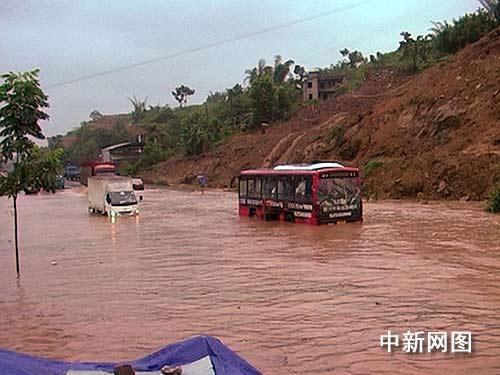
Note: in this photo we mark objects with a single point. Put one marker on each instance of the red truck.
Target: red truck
(96, 168)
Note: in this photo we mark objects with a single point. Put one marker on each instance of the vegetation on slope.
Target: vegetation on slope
(494, 201)
(272, 94)
(433, 135)
(417, 53)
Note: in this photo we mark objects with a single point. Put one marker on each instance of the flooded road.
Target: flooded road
(289, 298)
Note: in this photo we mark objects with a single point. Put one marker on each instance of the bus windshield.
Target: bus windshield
(339, 193)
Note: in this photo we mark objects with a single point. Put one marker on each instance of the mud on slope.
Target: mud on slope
(435, 134)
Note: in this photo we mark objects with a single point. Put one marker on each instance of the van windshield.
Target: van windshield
(121, 198)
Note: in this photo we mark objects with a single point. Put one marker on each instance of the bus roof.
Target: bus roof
(308, 167)
(295, 171)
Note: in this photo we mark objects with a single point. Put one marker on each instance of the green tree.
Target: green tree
(153, 153)
(493, 8)
(239, 105)
(21, 108)
(285, 98)
(181, 93)
(449, 38)
(259, 70)
(279, 73)
(352, 59)
(300, 72)
(195, 136)
(415, 51)
(273, 90)
(262, 97)
(139, 108)
(158, 114)
(281, 70)
(494, 201)
(95, 115)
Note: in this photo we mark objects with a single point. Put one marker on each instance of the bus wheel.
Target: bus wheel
(252, 212)
(289, 218)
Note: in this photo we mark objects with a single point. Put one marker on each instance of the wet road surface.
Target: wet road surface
(289, 298)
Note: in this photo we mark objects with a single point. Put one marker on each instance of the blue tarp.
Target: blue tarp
(224, 360)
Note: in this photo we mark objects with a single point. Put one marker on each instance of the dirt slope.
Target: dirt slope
(435, 134)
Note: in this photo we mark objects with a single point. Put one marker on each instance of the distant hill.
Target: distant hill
(85, 142)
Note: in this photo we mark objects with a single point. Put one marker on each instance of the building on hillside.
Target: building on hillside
(128, 152)
(317, 86)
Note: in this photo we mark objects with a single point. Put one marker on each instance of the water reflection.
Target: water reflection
(288, 297)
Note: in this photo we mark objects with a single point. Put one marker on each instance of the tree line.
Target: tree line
(270, 93)
(416, 53)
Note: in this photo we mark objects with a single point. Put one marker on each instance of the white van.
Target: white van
(112, 196)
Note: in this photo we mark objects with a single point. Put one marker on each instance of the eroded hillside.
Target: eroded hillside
(435, 134)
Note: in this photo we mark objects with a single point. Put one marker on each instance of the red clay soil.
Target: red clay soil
(434, 135)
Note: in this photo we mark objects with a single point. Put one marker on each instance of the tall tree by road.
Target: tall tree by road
(181, 93)
(21, 109)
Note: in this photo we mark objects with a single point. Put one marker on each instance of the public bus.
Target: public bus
(317, 193)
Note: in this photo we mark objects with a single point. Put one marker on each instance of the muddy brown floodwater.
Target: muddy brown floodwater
(289, 298)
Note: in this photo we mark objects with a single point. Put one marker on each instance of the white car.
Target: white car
(137, 184)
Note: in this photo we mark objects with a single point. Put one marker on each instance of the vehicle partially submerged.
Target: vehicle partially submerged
(72, 172)
(112, 196)
(137, 184)
(60, 182)
(96, 168)
(316, 193)
(200, 355)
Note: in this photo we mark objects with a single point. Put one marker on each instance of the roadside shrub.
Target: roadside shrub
(371, 165)
(127, 169)
(494, 201)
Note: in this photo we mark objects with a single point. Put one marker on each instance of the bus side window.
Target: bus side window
(269, 188)
(258, 188)
(303, 189)
(254, 187)
(286, 189)
(243, 187)
(251, 188)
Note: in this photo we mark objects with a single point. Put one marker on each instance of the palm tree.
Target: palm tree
(281, 70)
(255, 72)
(278, 73)
(492, 7)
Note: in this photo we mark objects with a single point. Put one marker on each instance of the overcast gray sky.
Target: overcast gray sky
(72, 39)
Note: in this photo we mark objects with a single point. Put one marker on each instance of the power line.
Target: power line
(209, 45)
